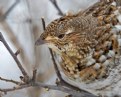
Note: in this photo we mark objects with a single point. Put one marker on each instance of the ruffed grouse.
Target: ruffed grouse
(88, 42)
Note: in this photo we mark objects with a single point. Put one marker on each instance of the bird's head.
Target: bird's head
(58, 34)
(67, 35)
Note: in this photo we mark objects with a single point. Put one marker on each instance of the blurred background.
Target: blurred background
(21, 26)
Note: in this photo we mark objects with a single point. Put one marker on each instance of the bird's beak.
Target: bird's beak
(40, 42)
(46, 40)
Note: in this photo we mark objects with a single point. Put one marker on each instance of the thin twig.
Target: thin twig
(53, 87)
(64, 89)
(9, 10)
(34, 75)
(14, 57)
(55, 66)
(15, 88)
(43, 23)
(54, 2)
(10, 80)
(17, 52)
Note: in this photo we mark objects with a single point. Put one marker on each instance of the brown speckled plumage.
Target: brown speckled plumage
(87, 42)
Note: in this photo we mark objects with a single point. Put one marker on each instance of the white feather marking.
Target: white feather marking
(119, 18)
(76, 76)
(101, 51)
(114, 30)
(113, 3)
(71, 72)
(106, 63)
(54, 48)
(96, 66)
(119, 42)
(102, 58)
(69, 31)
(90, 62)
(118, 36)
(118, 27)
(111, 53)
(116, 12)
(109, 44)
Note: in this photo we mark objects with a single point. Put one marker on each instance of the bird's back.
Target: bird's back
(101, 39)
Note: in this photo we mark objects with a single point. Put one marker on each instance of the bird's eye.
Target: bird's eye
(61, 36)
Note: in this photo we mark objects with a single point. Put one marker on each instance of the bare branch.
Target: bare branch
(53, 87)
(34, 75)
(43, 23)
(15, 88)
(17, 52)
(10, 80)
(9, 10)
(14, 56)
(64, 89)
(54, 2)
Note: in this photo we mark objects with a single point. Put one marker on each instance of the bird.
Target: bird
(88, 42)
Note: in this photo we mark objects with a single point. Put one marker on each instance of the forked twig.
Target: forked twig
(9, 10)
(54, 2)
(10, 80)
(14, 57)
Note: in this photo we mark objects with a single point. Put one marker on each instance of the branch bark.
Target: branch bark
(54, 2)
(14, 57)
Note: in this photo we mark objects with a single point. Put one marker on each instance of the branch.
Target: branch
(17, 52)
(54, 2)
(43, 23)
(34, 75)
(9, 10)
(14, 57)
(53, 87)
(64, 89)
(15, 88)
(10, 80)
